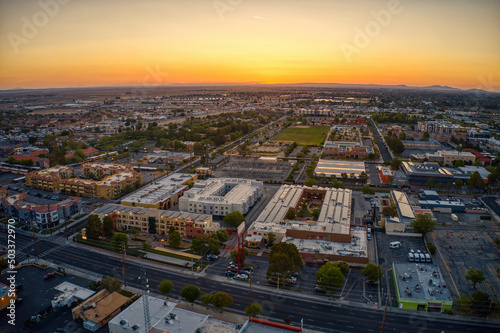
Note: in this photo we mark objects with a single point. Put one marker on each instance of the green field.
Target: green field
(310, 135)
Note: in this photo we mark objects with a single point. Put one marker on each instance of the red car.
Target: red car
(49, 275)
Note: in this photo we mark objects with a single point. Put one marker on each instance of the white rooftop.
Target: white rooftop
(160, 190)
(74, 290)
(227, 190)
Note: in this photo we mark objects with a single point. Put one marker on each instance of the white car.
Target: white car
(243, 276)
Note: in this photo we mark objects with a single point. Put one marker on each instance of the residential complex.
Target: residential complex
(221, 196)
(115, 179)
(189, 225)
(19, 207)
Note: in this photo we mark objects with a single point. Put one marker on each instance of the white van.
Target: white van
(411, 257)
(394, 245)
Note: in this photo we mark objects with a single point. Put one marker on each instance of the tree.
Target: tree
(234, 219)
(271, 237)
(366, 189)
(206, 299)
(234, 254)
(458, 185)
(107, 225)
(372, 272)
(475, 276)
(311, 182)
(165, 287)
(390, 211)
(94, 226)
(190, 293)
(396, 164)
(344, 267)
(291, 214)
(198, 245)
(425, 136)
(329, 277)
(430, 183)
(464, 303)
(253, 309)
(284, 258)
(111, 284)
(335, 183)
(221, 300)
(118, 239)
(221, 235)
(481, 303)
(475, 181)
(174, 240)
(213, 246)
(423, 224)
(3, 264)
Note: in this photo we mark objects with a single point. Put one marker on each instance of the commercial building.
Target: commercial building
(349, 150)
(189, 225)
(221, 196)
(165, 316)
(329, 237)
(70, 293)
(118, 178)
(429, 195)
(99, 309)
(385, 174)
(427, 146)
(163, 193)
(421, 287)
(442, 205)
(448, 157)
(334, 168)
(441, 126)
(20, 207)
(422, 172)
(405, 216)
(468, 170)
(6, 296)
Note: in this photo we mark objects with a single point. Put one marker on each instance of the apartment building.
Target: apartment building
(49, 179)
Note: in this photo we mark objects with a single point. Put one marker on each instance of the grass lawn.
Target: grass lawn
(306, 135)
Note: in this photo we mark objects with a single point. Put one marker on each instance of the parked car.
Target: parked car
(248, 269)
(319, 290)
(230, 273)
(243, 276)
(49, 275)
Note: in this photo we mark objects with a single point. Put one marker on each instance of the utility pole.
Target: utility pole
(250, 291)
(145, 302)
(385, 311)
(278, 274)
(123, 261)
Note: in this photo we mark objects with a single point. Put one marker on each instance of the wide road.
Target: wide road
(384, 151)
(320, 314)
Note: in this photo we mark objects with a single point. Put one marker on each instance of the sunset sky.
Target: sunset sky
(73, 43)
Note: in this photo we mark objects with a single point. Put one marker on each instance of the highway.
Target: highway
(318, 313)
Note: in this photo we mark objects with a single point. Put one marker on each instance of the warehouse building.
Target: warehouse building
(335, 168)
(221, 196)
(421, 287)
(422, 172)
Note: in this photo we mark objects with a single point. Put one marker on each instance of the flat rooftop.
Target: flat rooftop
(74, 290)
(336, 168)
(358, 247)
(223, 190)
(334, 216)
(160, 190)
(116, 208)
(420, 281)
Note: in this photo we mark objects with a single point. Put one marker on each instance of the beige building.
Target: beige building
(49, 179)
(189, 225)
(118, 178)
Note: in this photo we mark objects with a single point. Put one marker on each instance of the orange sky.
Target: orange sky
(74, 43)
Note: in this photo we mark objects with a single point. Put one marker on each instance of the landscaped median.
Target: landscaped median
(182, 259)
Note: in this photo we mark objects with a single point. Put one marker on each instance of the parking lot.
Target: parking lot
(465, 246)
(36, 294)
